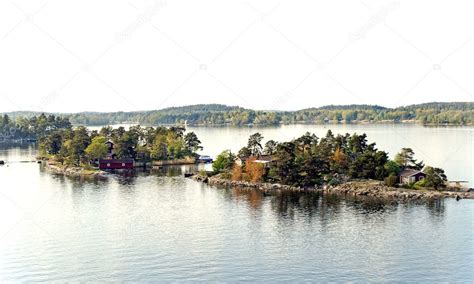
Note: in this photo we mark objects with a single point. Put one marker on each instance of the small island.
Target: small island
(81, 152)
(339, 164)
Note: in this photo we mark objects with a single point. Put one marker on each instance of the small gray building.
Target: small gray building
(411, 176)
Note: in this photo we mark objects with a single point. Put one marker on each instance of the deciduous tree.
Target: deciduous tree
(237, 172)
(254, 170)
(97, 149)
(223, 162)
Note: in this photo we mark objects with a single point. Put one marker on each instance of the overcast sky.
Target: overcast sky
(70, 56)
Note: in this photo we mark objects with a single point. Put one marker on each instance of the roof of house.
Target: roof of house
(259, 159)
(410, 172)
(266, 158)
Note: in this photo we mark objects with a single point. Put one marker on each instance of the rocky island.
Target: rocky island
(344, 165)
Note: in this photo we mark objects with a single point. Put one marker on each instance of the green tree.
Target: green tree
(178, 130)
(106, 131)
(381, 158)
(405, 158)
(52, 143)
(118, 132)
(175, 143)
(193, 144)
(244, 152)
(144, 153)
(254, 144)
(126, 146)
(223, 162)
(159, 149)
(284, 168)
(435, 177)
(369, 164)
(78, 144)
(97, 149)
(392, 168)
(306, 142)
(270, 147)
(309, 169)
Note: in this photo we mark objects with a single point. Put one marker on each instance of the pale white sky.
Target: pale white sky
(70, 56)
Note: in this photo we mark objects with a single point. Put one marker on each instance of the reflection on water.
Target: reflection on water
(288, 203)
(15, 152)
(171, 171)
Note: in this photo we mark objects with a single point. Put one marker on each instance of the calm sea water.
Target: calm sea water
(164, 227)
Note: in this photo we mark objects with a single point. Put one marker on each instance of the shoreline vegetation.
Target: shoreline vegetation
(430, 114)
(343, 164)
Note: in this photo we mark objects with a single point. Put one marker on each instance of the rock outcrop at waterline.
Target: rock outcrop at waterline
(74, 171)
(365, 188)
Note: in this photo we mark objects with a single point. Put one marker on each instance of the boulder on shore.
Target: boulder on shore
(200, 178)
(75, 171)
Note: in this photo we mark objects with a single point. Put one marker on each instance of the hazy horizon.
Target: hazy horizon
(149, 55)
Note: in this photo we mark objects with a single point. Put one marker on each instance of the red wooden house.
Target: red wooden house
(111, 163)
(115, 164)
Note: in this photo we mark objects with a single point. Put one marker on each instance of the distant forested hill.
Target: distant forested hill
(459, 113)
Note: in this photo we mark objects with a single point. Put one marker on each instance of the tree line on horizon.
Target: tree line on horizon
(430, 113)
(30, 124)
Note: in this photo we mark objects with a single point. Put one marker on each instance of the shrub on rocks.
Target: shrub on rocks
(391, 180)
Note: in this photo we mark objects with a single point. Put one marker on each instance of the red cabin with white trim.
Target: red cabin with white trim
(115, 164)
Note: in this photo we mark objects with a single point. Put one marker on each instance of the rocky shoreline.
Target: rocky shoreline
(364, 189)
(74, 171)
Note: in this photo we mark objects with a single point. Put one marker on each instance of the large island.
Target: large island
(343, 164)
